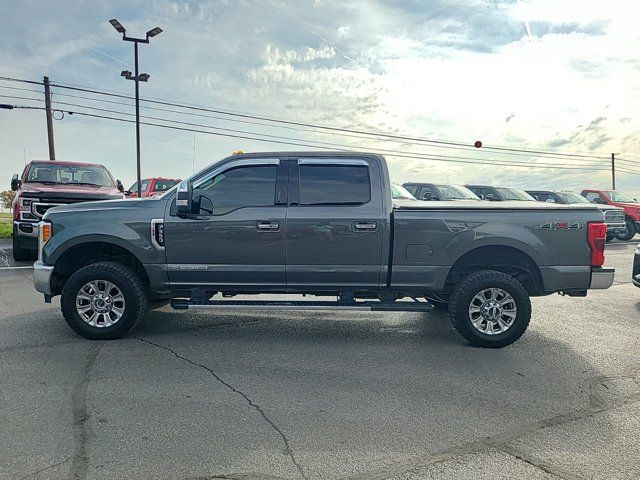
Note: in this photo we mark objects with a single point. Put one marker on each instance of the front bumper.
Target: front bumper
(42, 278)
(25, 229)
(616, 227)
(601, 278)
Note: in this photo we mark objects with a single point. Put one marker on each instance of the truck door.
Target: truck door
(335, 223)
(236, 239)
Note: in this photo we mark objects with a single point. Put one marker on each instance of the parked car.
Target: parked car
(432, 191)
(151, 187)
(46, 184)
(618, 199)
(398, 192)
(613, 216)
(499, 194)
(315, 223)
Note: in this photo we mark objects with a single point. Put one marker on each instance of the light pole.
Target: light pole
(136, 77)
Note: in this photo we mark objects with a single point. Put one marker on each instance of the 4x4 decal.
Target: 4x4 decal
(559, 226)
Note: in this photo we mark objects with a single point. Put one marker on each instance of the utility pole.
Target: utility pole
(47, 108)
(613, 171)
(137, 78)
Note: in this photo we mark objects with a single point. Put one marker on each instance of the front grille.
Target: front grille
(614, 216)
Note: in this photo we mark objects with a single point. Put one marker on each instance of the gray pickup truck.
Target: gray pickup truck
(321, 224)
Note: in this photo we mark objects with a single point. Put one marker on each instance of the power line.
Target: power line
(326, 127)
(310, 145)
(331, 144)
(432, 142)
(320, 145)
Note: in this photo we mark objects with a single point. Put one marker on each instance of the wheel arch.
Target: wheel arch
(502, 258)
(89, 252)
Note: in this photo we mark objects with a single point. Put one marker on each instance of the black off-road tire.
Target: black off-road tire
(610, 237)
(462, 296)
(630, 232)
(21, 254)
(129, 283)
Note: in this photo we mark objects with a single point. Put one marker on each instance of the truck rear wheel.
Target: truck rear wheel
(629, 232)
(103, 301)
(490, 309)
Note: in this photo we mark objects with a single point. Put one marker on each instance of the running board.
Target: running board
(181, 304)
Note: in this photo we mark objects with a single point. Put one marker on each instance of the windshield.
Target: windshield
(514, 194)
(616, 196)
(70, 174)
(570, 197)
(456, 192)
(398, 191)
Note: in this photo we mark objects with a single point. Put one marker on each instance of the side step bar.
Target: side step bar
(371, 306)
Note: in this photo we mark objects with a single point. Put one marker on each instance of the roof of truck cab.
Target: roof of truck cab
(314, 154)
(68, 163)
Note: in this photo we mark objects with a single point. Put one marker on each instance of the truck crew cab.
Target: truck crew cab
(316, 223)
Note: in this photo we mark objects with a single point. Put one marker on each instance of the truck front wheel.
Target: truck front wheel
(629, 232)
(103, 301)
(490, 309)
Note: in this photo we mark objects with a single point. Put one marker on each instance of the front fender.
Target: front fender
(134, 237)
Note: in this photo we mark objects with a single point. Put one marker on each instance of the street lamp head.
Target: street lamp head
(153, 32)
(117, 25)
(143, 77)
(125, 74)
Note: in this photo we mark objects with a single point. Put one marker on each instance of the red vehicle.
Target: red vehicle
(152, 187)
(45, 184)
(618, 199)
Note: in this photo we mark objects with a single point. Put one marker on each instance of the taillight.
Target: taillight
(597, 238)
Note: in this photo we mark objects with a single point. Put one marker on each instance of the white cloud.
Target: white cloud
(446, 69)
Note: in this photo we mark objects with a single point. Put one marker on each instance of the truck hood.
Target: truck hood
(604, 207)
(627, 205)
(93, 206)
(70, 189)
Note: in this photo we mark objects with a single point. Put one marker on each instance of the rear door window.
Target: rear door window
(334, 184)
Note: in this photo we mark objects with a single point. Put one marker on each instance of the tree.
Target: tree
(6, 198)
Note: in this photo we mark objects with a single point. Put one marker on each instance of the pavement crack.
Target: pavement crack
(501, 440)
(80, 457)
(48, 467)
(537, 463)
(288, 451)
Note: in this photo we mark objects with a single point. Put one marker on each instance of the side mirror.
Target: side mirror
(598, 200)
(427, 196)
(119, 186)
(550, 200)
(184, 198)
(15, 182)
(490, 197)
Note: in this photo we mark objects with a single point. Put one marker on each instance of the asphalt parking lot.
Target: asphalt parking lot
(321, 395)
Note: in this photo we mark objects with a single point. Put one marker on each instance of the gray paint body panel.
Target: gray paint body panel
(317, 248)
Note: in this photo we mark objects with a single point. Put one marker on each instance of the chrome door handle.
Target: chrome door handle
(268, 226)
(365, 226)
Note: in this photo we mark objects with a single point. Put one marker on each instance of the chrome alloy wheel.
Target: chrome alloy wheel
(100, 303)
(492, 311)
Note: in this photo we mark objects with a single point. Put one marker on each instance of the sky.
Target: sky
(534, 74)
